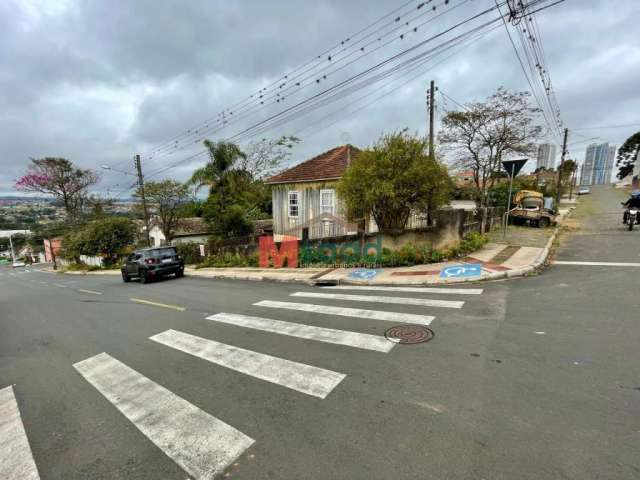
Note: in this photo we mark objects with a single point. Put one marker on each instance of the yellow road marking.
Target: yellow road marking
(156, 304)
(89, 291)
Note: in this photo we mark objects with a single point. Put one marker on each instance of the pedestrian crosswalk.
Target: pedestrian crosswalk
(349, 312)
(320, 334)
(16, 460)
(314, 381)
(424, 302)
(202, 444)
(197, 441)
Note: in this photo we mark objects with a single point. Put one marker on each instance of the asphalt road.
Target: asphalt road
(536, 378)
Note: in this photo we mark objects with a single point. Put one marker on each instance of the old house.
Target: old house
(305, 204)
(188, 230)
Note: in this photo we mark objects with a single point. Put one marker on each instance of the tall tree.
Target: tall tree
(485, 133)
(235, 196)
(166, 200)
(393, 179)
(61, 179)
(223, 156)
(628, 155)
(264, 157)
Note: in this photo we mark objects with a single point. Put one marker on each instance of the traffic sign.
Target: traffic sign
(513, 167)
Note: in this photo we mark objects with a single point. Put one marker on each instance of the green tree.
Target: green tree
(166, 200)
(235, 196)
(628, 155)
(222, 158)
(109, 237)
(393, 179)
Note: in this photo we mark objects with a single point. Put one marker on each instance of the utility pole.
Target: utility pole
(431, 103)
(560, 168)
(574, 178)
(145, 213)
(13, 255)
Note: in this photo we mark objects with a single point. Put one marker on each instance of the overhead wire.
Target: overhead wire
(313, 79)
(319, 60)
(347, 86)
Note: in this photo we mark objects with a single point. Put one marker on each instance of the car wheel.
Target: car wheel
(125, 278)
(543, 222)
(144, 278)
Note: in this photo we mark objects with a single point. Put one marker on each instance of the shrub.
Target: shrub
(190, 252)
(228, 260)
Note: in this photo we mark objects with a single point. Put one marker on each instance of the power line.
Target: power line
(347, 86)
(608, 126)
(327, 56)
(314, 79)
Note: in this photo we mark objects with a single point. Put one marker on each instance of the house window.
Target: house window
(294, 204)
(327, 201)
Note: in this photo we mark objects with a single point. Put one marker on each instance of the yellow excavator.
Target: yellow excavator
(529, 208)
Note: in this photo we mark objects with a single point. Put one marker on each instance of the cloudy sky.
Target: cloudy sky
(98, 81)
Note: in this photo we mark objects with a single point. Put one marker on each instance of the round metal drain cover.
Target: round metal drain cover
(408, 334)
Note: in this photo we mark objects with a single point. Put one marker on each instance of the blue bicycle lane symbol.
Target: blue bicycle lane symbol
(466, 270)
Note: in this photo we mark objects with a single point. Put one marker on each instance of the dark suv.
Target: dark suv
(151, 263)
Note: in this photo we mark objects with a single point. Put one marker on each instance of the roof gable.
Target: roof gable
(329, 165)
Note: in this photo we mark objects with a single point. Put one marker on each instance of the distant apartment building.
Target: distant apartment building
(546, 156)
(598, 164)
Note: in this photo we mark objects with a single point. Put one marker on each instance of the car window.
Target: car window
(161, 252)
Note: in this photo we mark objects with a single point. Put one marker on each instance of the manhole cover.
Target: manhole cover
(407, 334)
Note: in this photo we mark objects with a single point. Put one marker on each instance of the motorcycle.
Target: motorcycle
(631, 217)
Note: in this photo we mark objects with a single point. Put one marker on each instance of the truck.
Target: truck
(529, 208)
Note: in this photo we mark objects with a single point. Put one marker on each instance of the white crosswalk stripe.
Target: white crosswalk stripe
(349, 312)
(197, 441)
(426, 302)
(446, 291)
(314, 381)
(16, 459)
(309, 332)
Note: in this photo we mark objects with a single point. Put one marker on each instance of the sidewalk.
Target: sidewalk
(521, 252)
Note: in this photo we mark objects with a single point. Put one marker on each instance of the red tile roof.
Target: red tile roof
(329, 165)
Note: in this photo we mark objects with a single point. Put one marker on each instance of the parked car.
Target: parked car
(584, 191)
(17, 264)
(151, 263)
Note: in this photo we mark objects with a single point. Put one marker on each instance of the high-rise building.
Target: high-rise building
(598, 164)
(546, 156)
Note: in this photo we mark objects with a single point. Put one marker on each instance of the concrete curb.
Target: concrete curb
(537, 264)
(313, 278)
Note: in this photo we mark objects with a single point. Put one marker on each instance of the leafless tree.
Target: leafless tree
(486, 133)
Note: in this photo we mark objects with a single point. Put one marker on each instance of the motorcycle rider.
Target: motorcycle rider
(633, 202)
